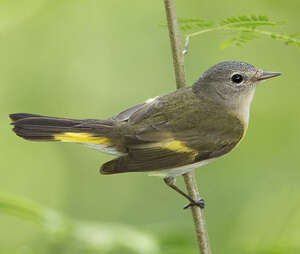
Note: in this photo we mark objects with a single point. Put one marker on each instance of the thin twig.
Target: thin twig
(278, 36)
(178, 61)
(189, 178)
(198, 216)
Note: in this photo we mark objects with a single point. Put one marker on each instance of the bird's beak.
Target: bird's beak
(268, 74)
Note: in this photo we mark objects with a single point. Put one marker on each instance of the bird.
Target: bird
(169, 135)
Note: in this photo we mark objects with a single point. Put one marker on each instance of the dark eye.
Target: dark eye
(237, 78)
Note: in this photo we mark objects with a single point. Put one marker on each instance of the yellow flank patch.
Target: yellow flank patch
(179, 147)
(81, 138)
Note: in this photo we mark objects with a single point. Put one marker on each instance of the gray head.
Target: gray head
(231, 83)
(234, 77)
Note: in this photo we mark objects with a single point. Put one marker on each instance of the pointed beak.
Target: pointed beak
(267, 75)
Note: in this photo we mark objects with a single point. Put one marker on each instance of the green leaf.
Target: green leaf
(226, 44)
(240, 40)
(245, 28)
(250, 22)
(190, 24)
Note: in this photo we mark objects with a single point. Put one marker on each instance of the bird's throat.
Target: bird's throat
(241, 106)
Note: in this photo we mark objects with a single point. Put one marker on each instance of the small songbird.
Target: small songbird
(169, 135)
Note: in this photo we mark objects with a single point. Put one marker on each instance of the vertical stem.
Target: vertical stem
(189, 178)
(178, 60)
(198, 215)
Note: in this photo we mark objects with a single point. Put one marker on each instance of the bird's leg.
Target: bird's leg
(170, 181)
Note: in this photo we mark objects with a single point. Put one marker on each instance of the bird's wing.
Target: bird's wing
(162, 139)
(124, 115)
(136, 110)
(164, 150)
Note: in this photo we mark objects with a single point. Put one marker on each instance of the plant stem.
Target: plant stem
(274, 35)
(189, 178)
(178, 61)
(198, 216)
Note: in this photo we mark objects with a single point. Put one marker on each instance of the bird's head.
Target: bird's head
(232, 84)
(233, 79)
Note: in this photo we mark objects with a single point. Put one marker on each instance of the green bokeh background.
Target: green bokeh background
(92, 59)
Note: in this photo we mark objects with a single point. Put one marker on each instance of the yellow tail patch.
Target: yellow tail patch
(81, 138)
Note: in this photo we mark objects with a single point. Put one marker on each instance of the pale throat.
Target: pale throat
(242, 106)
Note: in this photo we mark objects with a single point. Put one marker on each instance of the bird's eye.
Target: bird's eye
(237, 78)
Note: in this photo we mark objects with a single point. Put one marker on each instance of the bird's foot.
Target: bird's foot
(196, 202)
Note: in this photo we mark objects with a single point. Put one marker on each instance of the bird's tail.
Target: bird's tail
(42, 128)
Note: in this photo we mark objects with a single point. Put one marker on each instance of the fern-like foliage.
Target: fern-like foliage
(250, 22)
(239, 40)
(189, 24)
(242, 29)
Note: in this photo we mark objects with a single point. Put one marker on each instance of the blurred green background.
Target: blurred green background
(92, 59)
